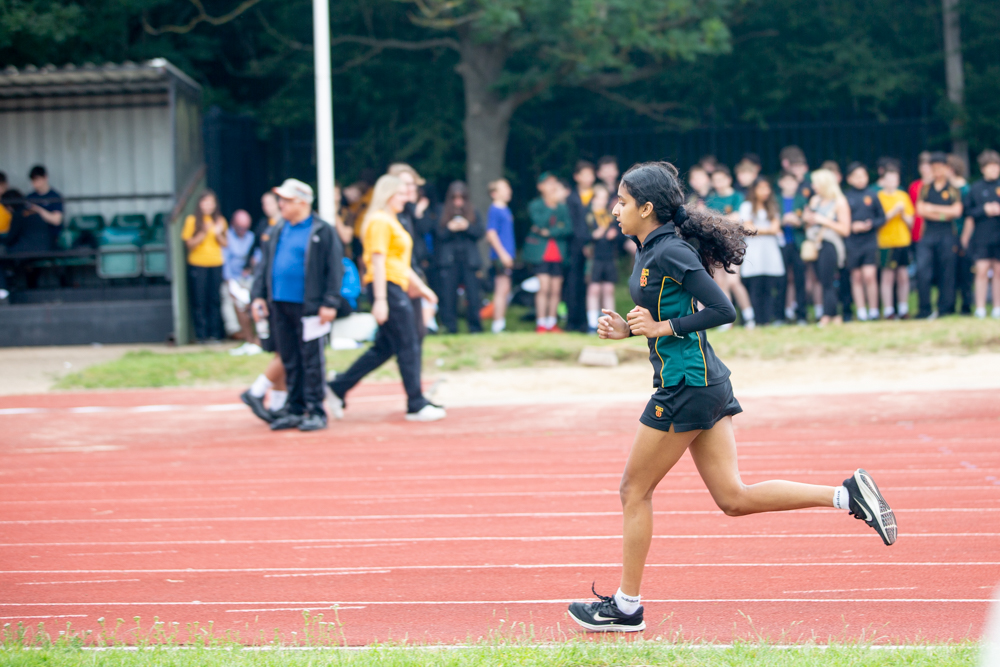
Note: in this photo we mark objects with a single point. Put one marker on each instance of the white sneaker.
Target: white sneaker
(428, 413)
(336, 406)
(243, 350)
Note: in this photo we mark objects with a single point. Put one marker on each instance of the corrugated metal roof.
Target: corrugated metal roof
(110, 79)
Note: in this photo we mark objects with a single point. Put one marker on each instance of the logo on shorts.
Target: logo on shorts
(644, 278)
(659, 411)
(945, 195)
(868, 201)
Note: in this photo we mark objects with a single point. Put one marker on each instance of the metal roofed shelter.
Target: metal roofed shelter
(119, 141)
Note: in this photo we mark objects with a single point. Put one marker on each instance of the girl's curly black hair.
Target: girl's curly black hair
(719, 242)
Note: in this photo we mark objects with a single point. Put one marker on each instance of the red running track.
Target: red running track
(180, 505)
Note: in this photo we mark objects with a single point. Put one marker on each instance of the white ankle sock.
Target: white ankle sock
(278, 400)
(981, 313)
(818, 310)
(873, 313)
(888, 311)
(260, 386)
(862, 315)
(996, 313)
(499, 325)
(903, 308)
(550, 322)
(841, 498)
(626, 603)
(592, 316)
(748, 314)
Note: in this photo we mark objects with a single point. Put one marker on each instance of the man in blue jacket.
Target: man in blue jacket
(299, 277)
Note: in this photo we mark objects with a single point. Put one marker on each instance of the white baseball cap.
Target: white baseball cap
(293, 188)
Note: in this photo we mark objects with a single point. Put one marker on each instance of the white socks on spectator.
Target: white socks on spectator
(841, 498)
(873, 313)
(278, 400)
(748, 314)
(996, 313)
(981, 313)
(903, 308)
(499, 325)
(818, 310)
(888, 312)
(626, 603)
(260, 386)
(592, 316)
(546, 322)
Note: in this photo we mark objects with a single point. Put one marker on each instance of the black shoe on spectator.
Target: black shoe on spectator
(257, 406)
(286, 421)
(313, 423)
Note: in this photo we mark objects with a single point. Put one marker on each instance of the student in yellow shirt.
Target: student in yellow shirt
(894, 240)
(205, 235)
(4, 213)
(391, 280)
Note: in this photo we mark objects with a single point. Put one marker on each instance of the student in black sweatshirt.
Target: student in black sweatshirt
(982, 237)
(867, 217)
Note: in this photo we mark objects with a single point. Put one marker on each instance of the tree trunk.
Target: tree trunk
(487, 116)
(955, 77)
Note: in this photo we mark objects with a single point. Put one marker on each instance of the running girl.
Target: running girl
(693, 404)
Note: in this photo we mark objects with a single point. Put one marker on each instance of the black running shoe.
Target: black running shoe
(313, 423)
(604, 616)
(257, 406)
(287, 421)
(868, 505)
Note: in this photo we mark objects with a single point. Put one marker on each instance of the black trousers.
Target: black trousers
(204, 283)
(965, 272)
(459, 273)
(303, 361)
(397, 336)
(575, 288)
(936, 263)
(796, 269)
(764, 292)
(826, 273)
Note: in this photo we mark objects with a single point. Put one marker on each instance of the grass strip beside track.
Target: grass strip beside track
(571, 653)
(460, 352)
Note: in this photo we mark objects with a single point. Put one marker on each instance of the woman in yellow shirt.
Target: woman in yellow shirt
(388, 250)
(205, 235)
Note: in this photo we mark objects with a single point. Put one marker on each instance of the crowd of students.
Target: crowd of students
(29, 223)
(849, 249)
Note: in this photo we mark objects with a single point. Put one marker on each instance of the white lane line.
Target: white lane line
(326, 574)
(415, 517)
(320, 543)
(218, 407)
(56, 583)
(851, 590)
(391, 479)
(492, 566)
(14, 618)
(476, 494)
(331, 603)
(256, 611)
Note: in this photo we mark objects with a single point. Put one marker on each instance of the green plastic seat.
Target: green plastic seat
(119, 261)
(116, 236)
(129, 220)
(154, 259)
(156, 234)
(67, 239)
(161, 219)
(88, 223)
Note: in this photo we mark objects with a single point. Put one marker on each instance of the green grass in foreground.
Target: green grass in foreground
(569, 654)
(954, 335)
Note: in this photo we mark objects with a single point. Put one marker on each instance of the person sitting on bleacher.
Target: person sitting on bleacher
(44, 201)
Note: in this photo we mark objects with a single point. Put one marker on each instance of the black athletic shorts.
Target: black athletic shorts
(604, 271)
(500, 270)
(864, 255)
(894, 258)
(980, 251)
(690, 408)
(549, 269)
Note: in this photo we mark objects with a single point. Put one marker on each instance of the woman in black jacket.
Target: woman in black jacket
(458, 230)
